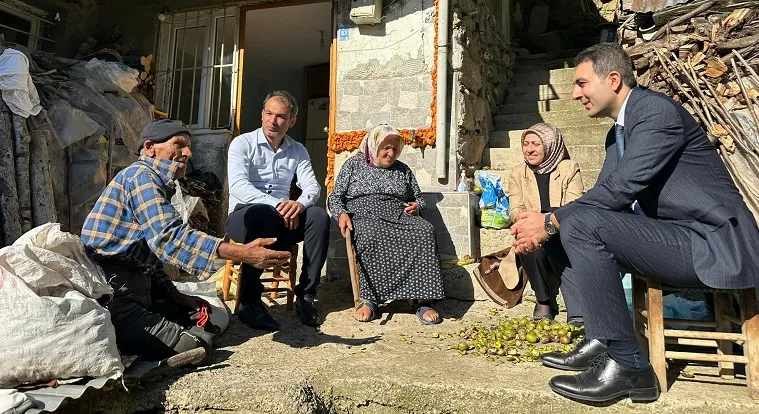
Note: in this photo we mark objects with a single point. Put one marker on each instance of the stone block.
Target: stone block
(350, 87)
(359, 121)
(408, 100)
(410, 84)
(375, 103)
(349, 103)
(420, 118)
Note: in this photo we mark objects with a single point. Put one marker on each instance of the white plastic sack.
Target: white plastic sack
(53, 327)
(112, 75)
(19, 92)
(187, 205)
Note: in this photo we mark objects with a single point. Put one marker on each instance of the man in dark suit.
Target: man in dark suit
(664, 206)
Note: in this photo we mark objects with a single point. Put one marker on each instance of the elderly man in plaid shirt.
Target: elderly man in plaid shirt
(133, 228)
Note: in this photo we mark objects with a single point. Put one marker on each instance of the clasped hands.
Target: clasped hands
(290, 211)
(529, 232)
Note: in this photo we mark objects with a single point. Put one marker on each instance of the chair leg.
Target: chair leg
(656, 347)
(293, 268)
(227, 282)
(639, 303)
(237, 301)
(721, 308)
(275, 284)
(751, 347)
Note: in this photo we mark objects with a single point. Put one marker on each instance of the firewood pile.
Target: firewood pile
(708, 60)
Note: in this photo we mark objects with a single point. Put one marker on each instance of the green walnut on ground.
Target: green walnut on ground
(518, 340)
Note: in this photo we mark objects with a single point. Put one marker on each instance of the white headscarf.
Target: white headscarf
(372, 142)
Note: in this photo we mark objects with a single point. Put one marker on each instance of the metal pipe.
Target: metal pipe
(441, 135)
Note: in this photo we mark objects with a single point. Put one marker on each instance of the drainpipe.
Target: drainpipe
(441, 138)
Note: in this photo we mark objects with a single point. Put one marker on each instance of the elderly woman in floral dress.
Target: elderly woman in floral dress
(377, 197)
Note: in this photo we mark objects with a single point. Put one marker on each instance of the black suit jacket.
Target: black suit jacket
(677, 176)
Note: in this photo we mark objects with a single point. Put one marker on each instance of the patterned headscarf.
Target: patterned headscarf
(370, 146)
(553, 147)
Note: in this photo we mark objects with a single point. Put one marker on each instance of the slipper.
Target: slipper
(372, 309)
(420, 315)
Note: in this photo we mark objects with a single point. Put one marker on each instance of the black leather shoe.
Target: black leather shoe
(257, 316)
(305, 308)
(606, 380)
(577, 360)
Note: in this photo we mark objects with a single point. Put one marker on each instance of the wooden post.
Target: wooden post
(9, 215)
(722, 307)
(293, 274)
(21, 140)
(751, 347)
(43, 204)
(656, 333)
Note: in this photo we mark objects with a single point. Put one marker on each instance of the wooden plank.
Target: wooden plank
(639, 318)
(720, 336)
(707, 343)
(656, 333)
(693, 356)
(683, 322)
(240, 72)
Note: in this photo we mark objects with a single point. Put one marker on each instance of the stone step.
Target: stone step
(545, 77)
(561, 63)
(542, 106)
(560, 119)
(590, 157)
(573, 135)
(520, 94)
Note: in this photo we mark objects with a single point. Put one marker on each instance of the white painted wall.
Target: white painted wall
(279, 43)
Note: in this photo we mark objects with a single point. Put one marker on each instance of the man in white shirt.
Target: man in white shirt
(261, 167)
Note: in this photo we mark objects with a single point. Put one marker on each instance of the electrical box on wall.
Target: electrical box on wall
(366, 11)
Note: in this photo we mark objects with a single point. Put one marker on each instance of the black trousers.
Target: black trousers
(598, 242)
(146, 321)
(544, 268)
(255, 221)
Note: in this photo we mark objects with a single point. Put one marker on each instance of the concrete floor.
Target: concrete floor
(351, 367)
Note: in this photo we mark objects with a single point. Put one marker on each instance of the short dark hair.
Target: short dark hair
(607, 58)
(287, 96)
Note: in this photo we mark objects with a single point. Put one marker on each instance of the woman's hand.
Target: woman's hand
(412, 208)
(345, 224)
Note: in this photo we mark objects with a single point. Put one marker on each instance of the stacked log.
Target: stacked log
(708, 60)
(9, 215)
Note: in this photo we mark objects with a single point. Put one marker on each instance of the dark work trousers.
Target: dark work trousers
(255, 221)
(598, 242)
(147, 322)
(544, 268)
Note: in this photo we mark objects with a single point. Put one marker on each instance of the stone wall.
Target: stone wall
(483, 64)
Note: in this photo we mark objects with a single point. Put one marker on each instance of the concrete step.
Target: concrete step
(560, 119)
(573, 135)
(542, 106)
(545, 77)
(520, 94)
(590, 157)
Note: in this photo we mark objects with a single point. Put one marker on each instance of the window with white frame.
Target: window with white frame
(197, 67)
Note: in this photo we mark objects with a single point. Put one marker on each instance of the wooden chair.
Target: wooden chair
(353, 268)
(648, 316)
(233, 271)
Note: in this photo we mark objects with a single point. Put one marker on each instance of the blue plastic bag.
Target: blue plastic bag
(494, 205)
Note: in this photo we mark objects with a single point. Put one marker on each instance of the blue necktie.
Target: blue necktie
(620, 138)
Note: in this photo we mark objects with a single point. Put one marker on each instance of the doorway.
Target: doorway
(287, 47)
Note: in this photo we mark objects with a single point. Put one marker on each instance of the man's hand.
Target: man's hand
(345, 224)
(192, 302)
(257, 255)
(412, 208)
(529, 232)
(290, 211)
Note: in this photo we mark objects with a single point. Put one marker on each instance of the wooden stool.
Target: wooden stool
(648, 317)
(233, 271)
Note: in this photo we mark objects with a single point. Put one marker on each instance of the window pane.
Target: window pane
(13, 36)
(225, 40)
(188, 59)
(221, 104)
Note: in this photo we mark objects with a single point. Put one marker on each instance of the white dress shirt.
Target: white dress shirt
(260, 175)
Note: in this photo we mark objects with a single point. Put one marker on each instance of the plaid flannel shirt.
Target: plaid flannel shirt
(134, 221)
